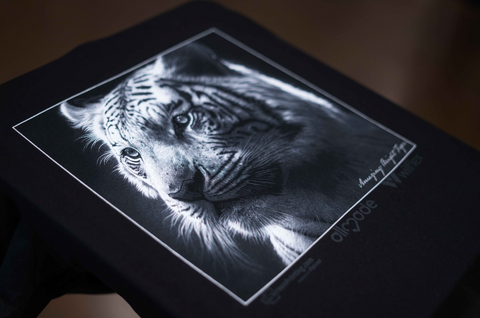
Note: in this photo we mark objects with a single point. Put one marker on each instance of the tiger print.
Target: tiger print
(231, 151)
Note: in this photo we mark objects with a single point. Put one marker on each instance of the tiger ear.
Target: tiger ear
(192, 60)
(87, 116)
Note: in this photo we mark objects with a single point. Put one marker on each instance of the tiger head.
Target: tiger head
(216, 141)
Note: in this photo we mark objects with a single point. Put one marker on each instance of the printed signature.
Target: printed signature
(379, 172)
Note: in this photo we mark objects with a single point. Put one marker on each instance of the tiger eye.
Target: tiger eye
(181, 119)
(130, 152)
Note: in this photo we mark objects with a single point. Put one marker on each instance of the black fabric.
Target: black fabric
(9, 218)
(464, 300)
(32, 274)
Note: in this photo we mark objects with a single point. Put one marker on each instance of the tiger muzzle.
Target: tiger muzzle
(191, 189)
(230, 187)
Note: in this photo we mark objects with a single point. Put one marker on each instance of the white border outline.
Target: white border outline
(279, 67)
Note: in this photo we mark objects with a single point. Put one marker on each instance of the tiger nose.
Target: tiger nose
(191, 189)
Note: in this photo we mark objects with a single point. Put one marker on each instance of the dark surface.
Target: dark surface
(412, 253)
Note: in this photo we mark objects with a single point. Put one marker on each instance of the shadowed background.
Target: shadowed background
(422, 55)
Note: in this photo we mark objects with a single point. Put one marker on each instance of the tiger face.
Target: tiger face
(217, 142)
